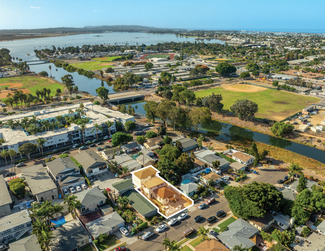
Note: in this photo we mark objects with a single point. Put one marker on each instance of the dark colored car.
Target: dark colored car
(100, 143)
(198, 218)
(212, 219)
(286, 177)
(92, 145)
(280, 181)
(213, 233)
(296, 175)
(221, 214)
(211, 201)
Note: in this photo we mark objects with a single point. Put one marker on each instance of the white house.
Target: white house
(243, 158)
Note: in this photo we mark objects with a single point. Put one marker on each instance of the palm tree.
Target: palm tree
(4, 154)
(57, 209)
(10, 123)
(166, 243)
(109, 125)
(50, 67)
(82, 129)
(73, 203)
(97, 128)
(75, 89)
(48, 91)
(125, 169)
(38, 226)
(40, 143)
(45, 239)
(12, 153)
(295, 168)
(203, 232)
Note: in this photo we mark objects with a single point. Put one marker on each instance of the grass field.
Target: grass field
(186, 248)
(29, 84)
(227, 222)
(98, 64)
(272, 104)
(157, 56)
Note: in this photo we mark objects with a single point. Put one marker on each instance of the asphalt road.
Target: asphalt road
(176, 232)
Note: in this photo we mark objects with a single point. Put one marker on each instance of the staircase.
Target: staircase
(22, 232)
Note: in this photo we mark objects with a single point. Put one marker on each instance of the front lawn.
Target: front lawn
(227, 222)
(111, 241)
(197, 241)
(186, 248)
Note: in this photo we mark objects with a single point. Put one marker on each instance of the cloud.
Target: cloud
(35, 7)
(97, 10)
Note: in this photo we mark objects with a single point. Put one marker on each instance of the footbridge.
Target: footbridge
(124, 96)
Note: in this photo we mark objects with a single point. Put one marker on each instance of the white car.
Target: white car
(182, 216)
(75, 145)
(173, 221)
(72, 190)
(124, 231)
(84, 186)
(48, 156)
(147, 235)
(106, 137)
(78, 188)
(88, 142)
(65, 191)
(161, 227)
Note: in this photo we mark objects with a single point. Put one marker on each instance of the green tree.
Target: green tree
(4, 154)
(109, 124)
(162, 111)
(140, 139)
(295, 168)
(161, 130)
(97, 128)
(72, 203)
(151, 134)
(43, 74)
(302, 183)
(169, 170)
(82, 129)
(113, 166)
(27, 149)
(177, 116)
(225, 68)
(203, 232)
(187, 96)
(280, 128)
(245, 74)
(17, 186)
(102, 93)
(123, 201)
(151, 110)
(301, 215)
(285, 237)
(169, 152)
(244, 109)
(129, 126)
(275, 83)
(305, 231)
(148, 66)
(199, 115)
(67, 80)
(255, 73)
(213, 102)
(167, 140)
(121, 138)
(40, 143)
(185, 163)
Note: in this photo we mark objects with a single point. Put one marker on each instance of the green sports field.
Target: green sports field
(272, 104)
(29, 84)
(95, 64)
(157, 56)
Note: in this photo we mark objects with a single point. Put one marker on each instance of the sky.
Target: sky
(189, 14)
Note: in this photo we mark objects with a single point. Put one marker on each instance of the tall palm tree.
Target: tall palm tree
(72, 203)
(40, 143)
(10, 123)
(48, 91)
(12, 153)
(45, 239)
(50, 67)
(4, 154)
(57, 209)
(203, 232)
(109, 125)
(97, 128)
(166, 243)
(82, 129)
(295, 168)
(38, 226)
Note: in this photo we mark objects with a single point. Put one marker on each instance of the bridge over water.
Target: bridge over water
(123, 96)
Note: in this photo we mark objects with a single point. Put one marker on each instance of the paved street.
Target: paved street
(176, 232)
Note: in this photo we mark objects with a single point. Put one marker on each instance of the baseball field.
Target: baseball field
(272, 104)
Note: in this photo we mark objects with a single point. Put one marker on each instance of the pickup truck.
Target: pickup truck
(121, 248)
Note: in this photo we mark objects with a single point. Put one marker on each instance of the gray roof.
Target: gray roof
(208, 157)
(122, 158)
(189, 187)
(5, 195)
(13, 220)
(130, 146)
(321, 226)
(28, 243)
(139, 203)
(132, 165)
(289, 194)
(186, 143)
(284, 219)
(71, 179)
(238, 233)
(236, 165)
(309, 184)
(90, 160)
(144, 159)
(38, 179)
(123, 184)
(61, 166)
(69, 236)
(90, 197)
(104, 224)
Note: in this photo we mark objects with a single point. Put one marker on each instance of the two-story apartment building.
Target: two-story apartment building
(90, 199)
(208, 157)
(40, 183)
(243, 158)
(14, 226)
(5, 198)
(65, 173)
(92, 163)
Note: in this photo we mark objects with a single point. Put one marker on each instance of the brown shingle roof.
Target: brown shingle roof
(198, 162)
(144, 173)
(212, 175)
(164, 192)
(211, 245)
(242, 156)
(153, 182)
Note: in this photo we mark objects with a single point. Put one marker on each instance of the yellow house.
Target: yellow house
(143, 176)
(152, 184)
(165, 195)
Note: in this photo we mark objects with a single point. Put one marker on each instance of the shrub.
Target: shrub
(64, 155)
(17, 186)
(134, 231)
(244, 176)
(238, 179)
(151, 134)
(143, 226)
(140, 139)
(96, 102)
(223, 228)
(88, 182)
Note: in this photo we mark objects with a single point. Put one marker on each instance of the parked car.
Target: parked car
(20, 164)
(48, 156)
(172, 222)
(9, 174)
(203, 205)
(84, 186)
(212, 219)
(78, 188)
(182, 216)
(148, 125)
(121, 248)
(161, 227)
(286, 177)
(109, 140)
(138, 133)
(92, 145)
(147, 235)
(83, 148)
(99, 143)
(221, 214)
(188, 232)
(213, 233)
(198, 218)
(65, 152)
(65, 191)
(106, 137)
(88, 142)
(55, 150)
(124, 231)
(280, 181)
(72, 190)
(211, 201)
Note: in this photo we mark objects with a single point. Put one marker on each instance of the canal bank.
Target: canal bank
(228, 132)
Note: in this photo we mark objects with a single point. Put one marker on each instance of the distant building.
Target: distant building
(92, 163)
(123, 186)
(208, 157)
(189, 189)
(5, 198)
(90, 200)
